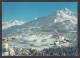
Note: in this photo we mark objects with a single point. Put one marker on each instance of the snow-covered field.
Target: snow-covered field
(57, 36)
(38, 44)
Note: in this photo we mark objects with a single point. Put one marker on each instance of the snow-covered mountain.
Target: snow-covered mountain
(60, 20)
(44, 31)
(6, 25)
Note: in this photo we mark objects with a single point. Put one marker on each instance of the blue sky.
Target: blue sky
(27, 11)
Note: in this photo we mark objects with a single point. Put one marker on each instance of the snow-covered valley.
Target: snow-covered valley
(48, 33)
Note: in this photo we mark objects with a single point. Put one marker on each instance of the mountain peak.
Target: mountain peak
(65, 9)
(14, 21)
(35, 18)
(11, 23)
